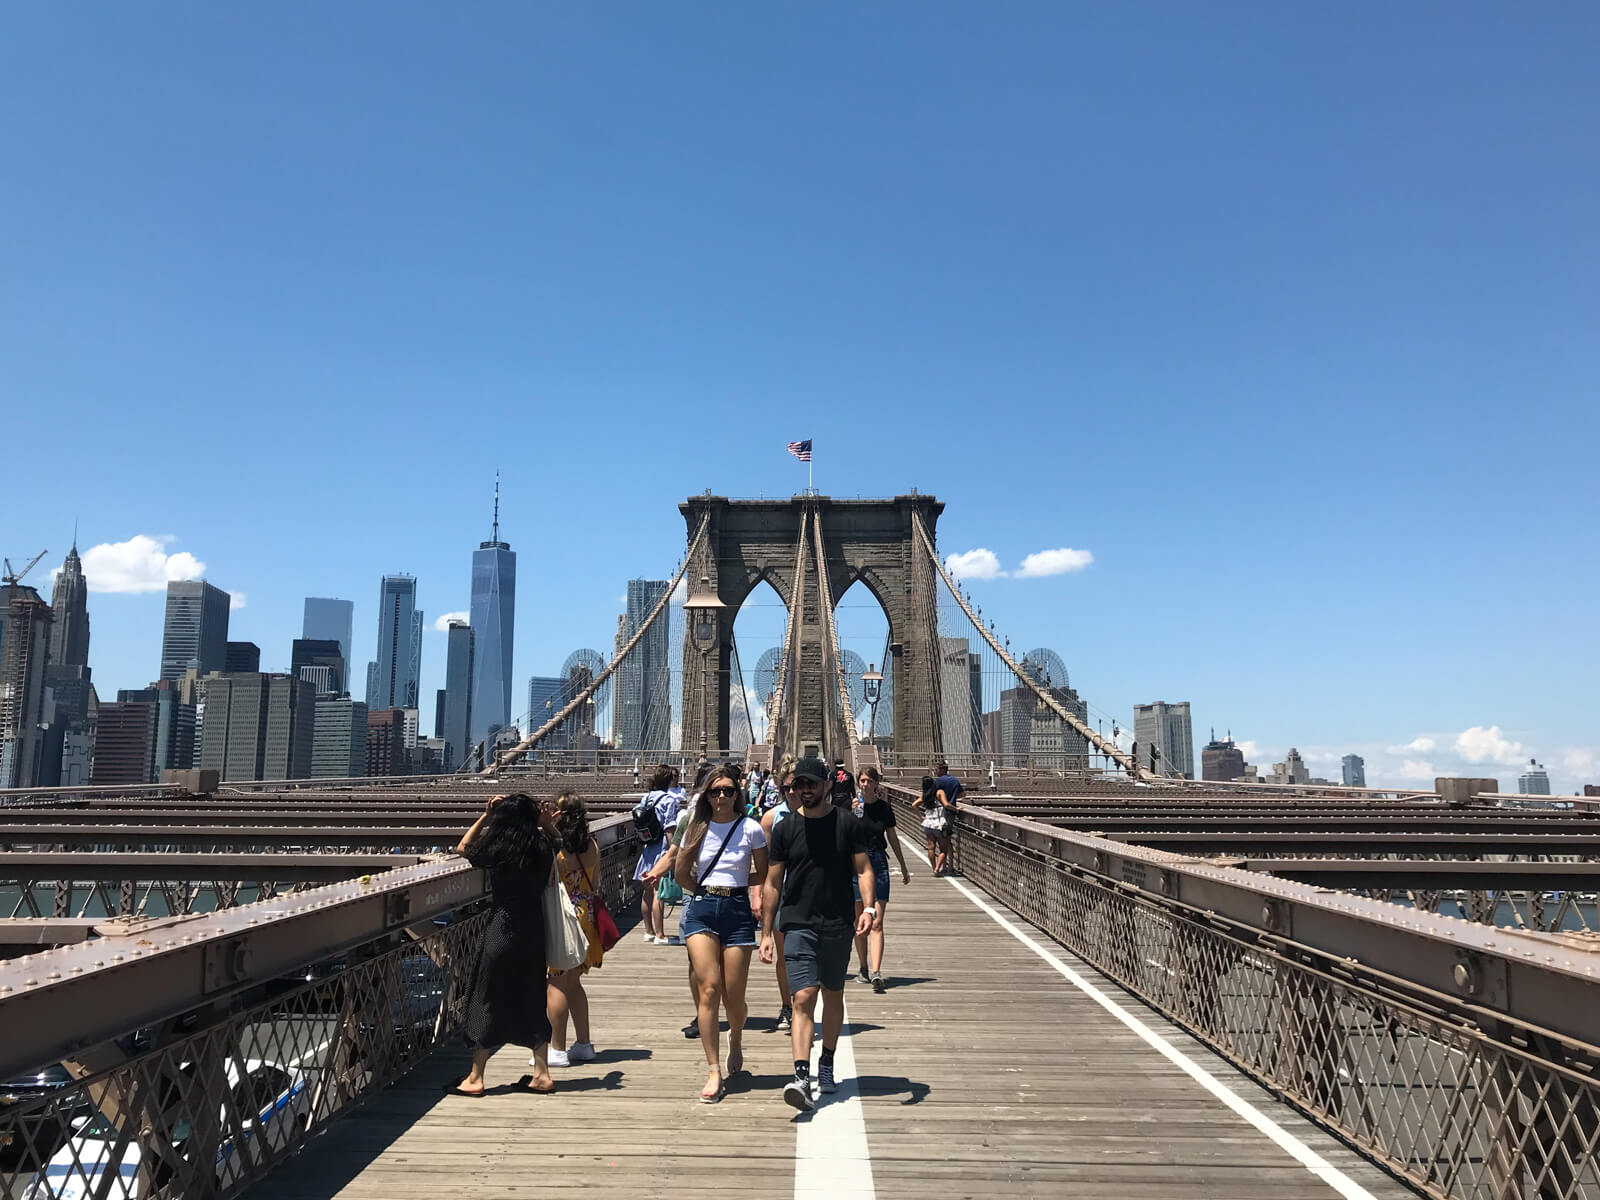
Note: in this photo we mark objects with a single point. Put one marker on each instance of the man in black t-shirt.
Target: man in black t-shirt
(842, 787)
(813, 857)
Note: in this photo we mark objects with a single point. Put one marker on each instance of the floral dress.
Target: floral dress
(582, 890)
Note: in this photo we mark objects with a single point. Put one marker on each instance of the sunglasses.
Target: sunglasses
(800, 784)
(722, 791)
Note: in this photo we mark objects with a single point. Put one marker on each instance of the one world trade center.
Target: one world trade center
(494, 614)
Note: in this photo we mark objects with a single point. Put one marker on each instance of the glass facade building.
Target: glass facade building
(644, 680)
(330, 620)
(196, 629)
(494, 614)
(395, 683)
(458, 671)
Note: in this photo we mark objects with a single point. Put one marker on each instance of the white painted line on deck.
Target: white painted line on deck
(1281, 1137)
(831, 1157)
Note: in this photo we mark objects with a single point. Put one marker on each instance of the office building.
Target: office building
(460, 649)
(69, 606)
(438, 714)
(241, 657)
(960, 697)
(69, 687)
(1221, 762)
(493, 617)
(1291, 770)
(196, 630)
(25, 622)
(291, 728)
(643, 707)
(425, 757)
(325, 655)
(546, 695)
(124, 743)
(1165, 738)
(1355, 770)
(395, 682)
(339, 737)
(1029, 732)
(77, 756)
(175, 727)
(328, 620)
(386, 742)
(1535, 781)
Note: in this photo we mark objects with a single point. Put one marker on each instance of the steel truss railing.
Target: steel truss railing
(1459, 1056)
(205, 1050)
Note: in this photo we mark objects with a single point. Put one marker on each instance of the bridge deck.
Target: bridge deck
(983, 1070)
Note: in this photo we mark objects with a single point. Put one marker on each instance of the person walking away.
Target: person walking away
(770, 820)
(506, 998)
(813, 857)
(954, 789)
(578, 862)
(938, 818)
(842, 788)
(878, 815)
(714, 864)
(654, 818)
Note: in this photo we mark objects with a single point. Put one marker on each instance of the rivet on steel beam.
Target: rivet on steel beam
(30, 983)
(55, 974)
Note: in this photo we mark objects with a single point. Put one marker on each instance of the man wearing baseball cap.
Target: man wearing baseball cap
(811, 864)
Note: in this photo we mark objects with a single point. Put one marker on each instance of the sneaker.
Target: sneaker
(580, 1052)
(878, 984)
(692, 1029)
(865, 976)
(825, 1081)
(556, 1058)
(797, 1094)
(785, 1019)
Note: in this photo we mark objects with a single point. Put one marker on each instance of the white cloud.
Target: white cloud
(441, 623)
(974, 564)
(1478, 745)
(1249, 749)
(237, 600)
(1419, 745)
(1053, 562)
(1419, 772)
(140, 564)
(1579, 761)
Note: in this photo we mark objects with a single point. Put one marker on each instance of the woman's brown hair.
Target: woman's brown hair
(689, 850)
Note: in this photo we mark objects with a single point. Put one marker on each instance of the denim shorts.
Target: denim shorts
(726, 918)
(880, 877)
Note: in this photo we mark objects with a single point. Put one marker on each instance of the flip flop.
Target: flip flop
(522, 1085)
(722, 1090)
(454, 1089)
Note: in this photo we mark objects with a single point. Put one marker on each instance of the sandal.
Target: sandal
(722, 1090)
(525, 1082)
(454, 1089)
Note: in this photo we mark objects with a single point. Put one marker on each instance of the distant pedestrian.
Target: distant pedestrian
(954, 789)
(814, 855)
(578, 862)
(654, 818)
(770, 820)
(514, 841)
(721, 849)
(842, 787)
(938, 822)
(878, 815)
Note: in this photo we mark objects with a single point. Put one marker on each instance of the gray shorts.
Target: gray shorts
(813, 958)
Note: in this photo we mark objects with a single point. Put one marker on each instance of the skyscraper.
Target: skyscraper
(242, 656)
(69, 604)
(1165, 737)
(644, 680)
(1535, 781)
(25, 623)
(494, 614)
(196, 631)
(125, 742)
(546, 696)
(319, 652)
(386, 742)
(962, 715)
(330, 620)
(339, 739)
(1221, 762)
(291, 727)
(399, 644)
(1355, 770)
(460, 650)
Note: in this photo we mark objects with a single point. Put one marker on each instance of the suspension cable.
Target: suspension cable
(831, 633)
(789, 657)
(1109, 749)
(533, 739)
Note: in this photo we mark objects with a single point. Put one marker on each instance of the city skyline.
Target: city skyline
(1344, 273)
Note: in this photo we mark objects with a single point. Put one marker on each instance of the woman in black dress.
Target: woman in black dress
(506, 1003)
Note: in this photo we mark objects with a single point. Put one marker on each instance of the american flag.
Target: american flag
(801, 450)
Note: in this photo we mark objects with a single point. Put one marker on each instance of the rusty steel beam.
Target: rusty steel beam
(417, 837)
(1212, 843)
(1430, 873)
(276, 868)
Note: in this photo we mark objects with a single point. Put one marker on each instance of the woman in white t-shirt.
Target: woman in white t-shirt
(722, 851)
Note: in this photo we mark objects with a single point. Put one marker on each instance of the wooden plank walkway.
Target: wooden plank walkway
(982, 1071)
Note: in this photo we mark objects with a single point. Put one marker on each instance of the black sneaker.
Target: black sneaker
(865, 976)
(878, 984)
(692, 1029)
(825, 1081)
(785, 1019)
(797, 1094)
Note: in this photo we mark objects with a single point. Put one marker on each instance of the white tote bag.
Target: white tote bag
(565, 943)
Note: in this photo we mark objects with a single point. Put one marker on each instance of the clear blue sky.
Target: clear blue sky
(1286, 313)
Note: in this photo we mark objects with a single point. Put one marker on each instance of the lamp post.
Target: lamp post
(872, 685)
(701, 611)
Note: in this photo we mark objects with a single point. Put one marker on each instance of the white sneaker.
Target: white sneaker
(580, 1052)
(556, 1058)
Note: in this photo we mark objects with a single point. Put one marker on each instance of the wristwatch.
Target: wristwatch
(870, 910)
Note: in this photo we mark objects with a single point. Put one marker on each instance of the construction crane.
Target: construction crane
(12, 578)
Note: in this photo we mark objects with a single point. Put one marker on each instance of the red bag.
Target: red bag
(604, 925)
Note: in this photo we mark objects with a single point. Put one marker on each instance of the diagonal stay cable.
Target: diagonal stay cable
(789, 657)
(831, 632)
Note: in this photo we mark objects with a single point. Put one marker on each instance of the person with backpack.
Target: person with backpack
(721, 850)
(653, 818)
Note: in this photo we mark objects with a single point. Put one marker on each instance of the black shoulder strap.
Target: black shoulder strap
(717, 857)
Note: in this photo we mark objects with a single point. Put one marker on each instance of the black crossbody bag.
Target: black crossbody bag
(717, 857)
